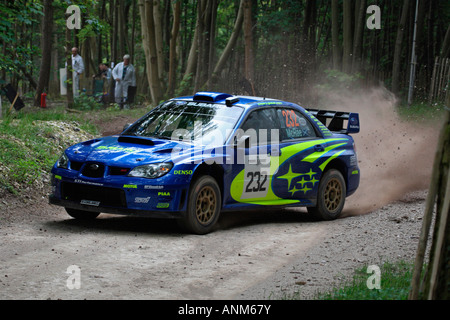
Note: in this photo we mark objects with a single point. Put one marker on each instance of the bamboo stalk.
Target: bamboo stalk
(433, 79)
(428, 215)
(439, 241)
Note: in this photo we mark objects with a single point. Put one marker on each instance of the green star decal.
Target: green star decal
(305, 190)
(289, 176)
(310, 174)
(314, 181)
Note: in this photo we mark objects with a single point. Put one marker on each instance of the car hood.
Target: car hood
(127, 151)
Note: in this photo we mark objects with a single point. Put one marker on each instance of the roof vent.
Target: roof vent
(210, 96)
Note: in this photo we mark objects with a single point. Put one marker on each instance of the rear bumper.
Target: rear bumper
(122, 211)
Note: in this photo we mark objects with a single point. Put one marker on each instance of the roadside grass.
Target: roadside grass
(421, 111)
(395, 284)
(28, 148)
(30, 145)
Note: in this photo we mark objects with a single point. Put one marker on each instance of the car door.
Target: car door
(252, 183)
(296, 178)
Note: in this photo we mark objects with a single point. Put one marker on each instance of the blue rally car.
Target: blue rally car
(192, 157)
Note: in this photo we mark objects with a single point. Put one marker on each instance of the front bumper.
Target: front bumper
(120, 196)
(122, 211)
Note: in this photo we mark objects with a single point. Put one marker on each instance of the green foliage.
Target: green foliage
(28, 149)
(85, 102)
(421, 111)
(340, 81)
(18, 52)
(395, 284)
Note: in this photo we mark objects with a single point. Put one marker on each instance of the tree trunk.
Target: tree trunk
(359, 33)
(348, 36)
(445, 51)
(173, 47)
(149, 43)
(398, 48)
(248, 39)
(335, 30)
(229, 47)
(158, 38)
(47, 41)
(69, 81)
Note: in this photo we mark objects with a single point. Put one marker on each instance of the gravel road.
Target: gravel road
(254, 255)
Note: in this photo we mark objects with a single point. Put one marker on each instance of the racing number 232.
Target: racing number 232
(257, 182)
(291, 118)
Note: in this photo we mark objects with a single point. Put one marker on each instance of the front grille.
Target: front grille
(93, 170)
(106, 196)
(75, 165)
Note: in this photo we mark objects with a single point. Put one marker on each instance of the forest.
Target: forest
(281, 49)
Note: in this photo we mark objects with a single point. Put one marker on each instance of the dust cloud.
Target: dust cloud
(395, 156)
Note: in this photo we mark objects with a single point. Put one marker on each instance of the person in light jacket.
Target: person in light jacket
(78, 68)
(125, 76)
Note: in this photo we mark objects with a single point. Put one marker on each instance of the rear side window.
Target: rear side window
(294, 125)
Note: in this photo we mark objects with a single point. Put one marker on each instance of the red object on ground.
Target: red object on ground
(43, 103)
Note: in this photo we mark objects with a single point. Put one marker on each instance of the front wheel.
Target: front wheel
(204, 205)
(82, 215)
(331, 196)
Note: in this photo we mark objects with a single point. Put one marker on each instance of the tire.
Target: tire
(82, 215)
(330, 197)
(203, 207)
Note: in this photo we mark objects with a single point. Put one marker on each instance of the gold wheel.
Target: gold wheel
(333, 195)
(206, 205)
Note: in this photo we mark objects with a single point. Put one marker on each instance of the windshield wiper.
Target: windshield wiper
(159, 137)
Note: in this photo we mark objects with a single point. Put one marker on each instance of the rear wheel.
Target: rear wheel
(203, 208)
(82, 215)
(331, 196)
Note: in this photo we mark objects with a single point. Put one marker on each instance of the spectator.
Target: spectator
(124, 76)
(77, 70)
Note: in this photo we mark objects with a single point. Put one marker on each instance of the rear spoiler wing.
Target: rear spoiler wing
(341, 122)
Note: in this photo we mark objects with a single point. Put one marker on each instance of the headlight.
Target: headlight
(63, 162)
(151, 171)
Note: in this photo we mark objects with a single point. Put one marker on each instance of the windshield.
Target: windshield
(189, 121)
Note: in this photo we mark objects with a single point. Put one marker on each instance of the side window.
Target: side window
(261, 122)
(294, 125)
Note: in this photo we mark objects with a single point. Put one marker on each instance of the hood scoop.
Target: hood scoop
(135, 140)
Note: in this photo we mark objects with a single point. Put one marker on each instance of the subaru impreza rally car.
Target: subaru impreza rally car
(192, 157)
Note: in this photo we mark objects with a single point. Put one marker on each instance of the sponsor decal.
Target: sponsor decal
(167, 194)
(141, 200)
(90, 203)
(183, 172)
(88, 182)
(163, 205)
(130, 186)
(58, 177)
(153, 187)
(128, 150)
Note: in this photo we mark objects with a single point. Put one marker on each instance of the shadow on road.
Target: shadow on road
(169, 227)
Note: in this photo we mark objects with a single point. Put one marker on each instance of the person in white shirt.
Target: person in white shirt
(125, 76)
(77, 69)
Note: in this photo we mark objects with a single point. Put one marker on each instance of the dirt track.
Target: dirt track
(253, 255)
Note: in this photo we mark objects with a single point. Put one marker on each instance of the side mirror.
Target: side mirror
(125, 127)
(243, 142)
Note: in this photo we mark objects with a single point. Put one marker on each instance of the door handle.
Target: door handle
(319, 148)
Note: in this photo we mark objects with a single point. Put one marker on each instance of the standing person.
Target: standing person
(78, 68)
(125, 76)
